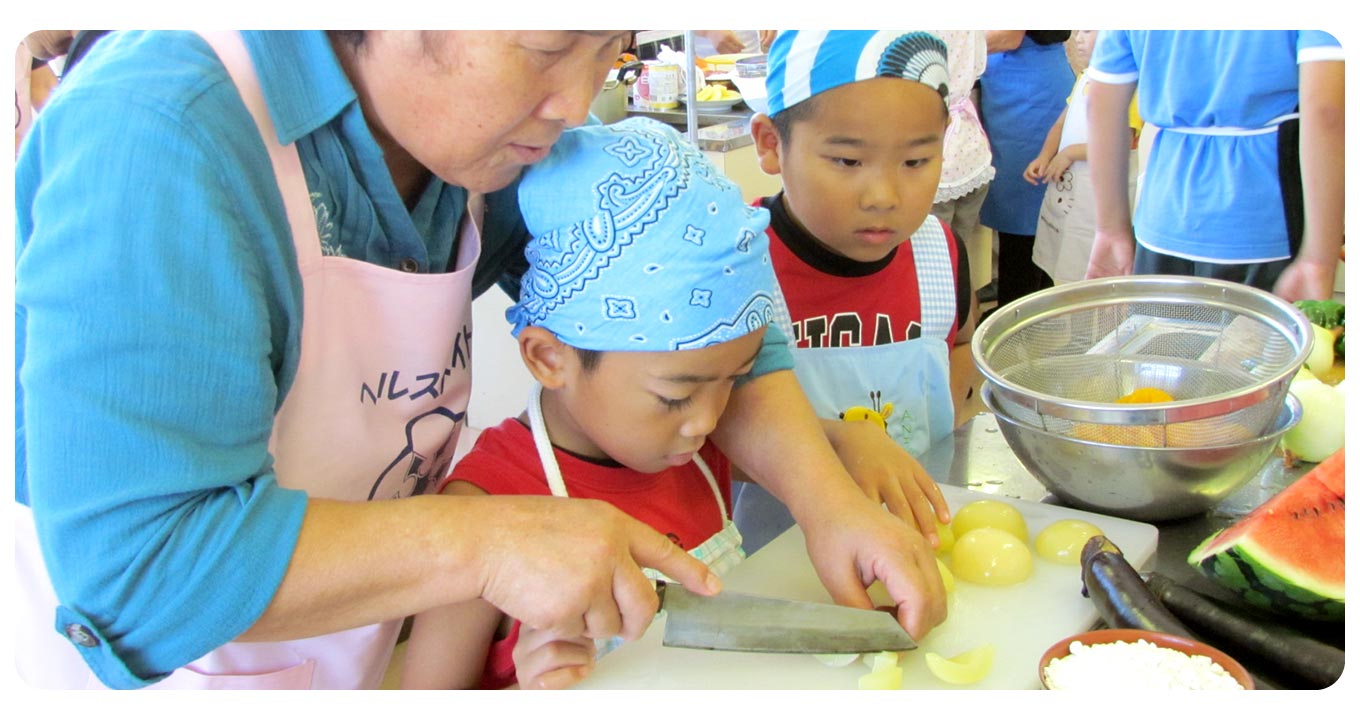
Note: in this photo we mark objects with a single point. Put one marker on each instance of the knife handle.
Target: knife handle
(660, 594)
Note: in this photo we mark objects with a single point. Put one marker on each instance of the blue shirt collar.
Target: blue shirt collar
(304, 86)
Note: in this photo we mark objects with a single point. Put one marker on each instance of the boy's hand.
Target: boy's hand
(1057, 166)
(852, 542)
(889, 474)
(547, 661)
(1034, 172)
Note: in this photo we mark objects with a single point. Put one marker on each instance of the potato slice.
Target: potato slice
(887, 679)
(946, 576)
(966, 668)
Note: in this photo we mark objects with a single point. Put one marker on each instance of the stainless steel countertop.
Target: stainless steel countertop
(978, 458)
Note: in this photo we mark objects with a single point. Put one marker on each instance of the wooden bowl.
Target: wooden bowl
(1188, 646)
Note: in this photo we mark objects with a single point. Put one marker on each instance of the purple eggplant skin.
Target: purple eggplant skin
(1119, 593)
(1289, 658)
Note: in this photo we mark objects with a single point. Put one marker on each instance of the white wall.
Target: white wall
(500, 383)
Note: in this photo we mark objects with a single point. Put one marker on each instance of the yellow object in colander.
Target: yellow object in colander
(1147, 395)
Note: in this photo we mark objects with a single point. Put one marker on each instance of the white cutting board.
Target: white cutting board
(1022, 620)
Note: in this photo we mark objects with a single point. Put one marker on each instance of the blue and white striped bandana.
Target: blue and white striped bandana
(803, 63)
(639, 243)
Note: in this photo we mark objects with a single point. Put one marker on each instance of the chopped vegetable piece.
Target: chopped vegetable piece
(946, 577)
(838, 659)
(886, 679)
(966, 668)
(1146, 395)
(882, 660)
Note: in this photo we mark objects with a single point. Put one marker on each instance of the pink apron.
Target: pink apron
(394, 346)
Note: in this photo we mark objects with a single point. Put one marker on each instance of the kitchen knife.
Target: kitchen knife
(749, 623)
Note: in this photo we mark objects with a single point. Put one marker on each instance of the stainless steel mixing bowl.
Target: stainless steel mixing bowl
(1061, 359)
(1148, 484)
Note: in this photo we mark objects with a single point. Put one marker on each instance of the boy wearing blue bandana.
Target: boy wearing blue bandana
(648, 292)
(878, 290)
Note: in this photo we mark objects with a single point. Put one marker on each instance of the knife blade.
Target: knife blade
(751, 623)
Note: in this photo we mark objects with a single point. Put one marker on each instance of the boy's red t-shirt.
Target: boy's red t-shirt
(676, 502)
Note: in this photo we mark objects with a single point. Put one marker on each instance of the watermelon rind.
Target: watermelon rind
(1251, 576)
(1298, 578)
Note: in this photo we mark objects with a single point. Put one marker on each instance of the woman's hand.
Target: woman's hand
(1304, 279)
(724, 41)
(547, 661)
(889, 474)
(1111, 254)
(573, 566)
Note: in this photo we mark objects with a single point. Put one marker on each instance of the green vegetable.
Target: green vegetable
(1327, 313)
(1331, 315)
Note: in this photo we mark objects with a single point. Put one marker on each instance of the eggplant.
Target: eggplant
(1119, 593)
(1290, 658)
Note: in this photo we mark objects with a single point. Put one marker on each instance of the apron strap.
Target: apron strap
(554, 473)
(934, 278)
(231, 50)
(1270, 127)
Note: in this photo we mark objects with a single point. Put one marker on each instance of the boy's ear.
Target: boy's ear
(544, 355)
(766, 139)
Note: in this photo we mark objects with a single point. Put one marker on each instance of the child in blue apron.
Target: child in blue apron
(877, 289)
(648, 292)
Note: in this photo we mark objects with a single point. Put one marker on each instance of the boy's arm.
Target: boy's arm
(1037, 170)
(1322, 149)
(448, 645)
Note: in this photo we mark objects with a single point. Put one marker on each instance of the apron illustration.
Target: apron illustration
(902, 386)
(720, 553)
(380, 395)
(1067, 217)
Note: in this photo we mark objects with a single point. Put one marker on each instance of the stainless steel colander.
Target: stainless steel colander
(1060, 359)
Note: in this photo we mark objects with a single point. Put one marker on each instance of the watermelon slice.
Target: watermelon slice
(1288, 556)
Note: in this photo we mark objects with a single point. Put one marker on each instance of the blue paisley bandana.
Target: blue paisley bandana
(803, 63)
(639, 243)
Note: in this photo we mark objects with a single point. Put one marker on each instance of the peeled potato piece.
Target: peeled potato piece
(1061, 542)
(991, 514)
(965, 668)
(988, 556)
(946, 535)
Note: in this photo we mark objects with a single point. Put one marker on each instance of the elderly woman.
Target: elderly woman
(245, 265)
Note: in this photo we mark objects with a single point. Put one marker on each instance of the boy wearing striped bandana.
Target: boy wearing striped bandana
(877, 289)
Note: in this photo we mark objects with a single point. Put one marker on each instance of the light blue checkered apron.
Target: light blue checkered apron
(905, 384)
